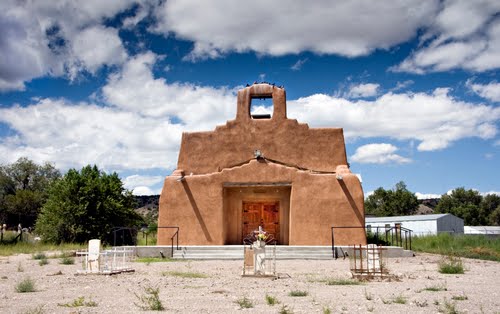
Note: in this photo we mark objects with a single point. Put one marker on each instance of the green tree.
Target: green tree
(84, 205)
(468, 205)
(23, 190)
(490, 209)
(398, 201)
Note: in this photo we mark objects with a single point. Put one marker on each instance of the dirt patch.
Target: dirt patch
(420, 288)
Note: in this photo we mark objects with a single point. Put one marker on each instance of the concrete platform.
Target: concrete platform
(235, 252)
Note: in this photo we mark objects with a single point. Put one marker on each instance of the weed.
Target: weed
(67, 260)
(244, 303)
(20, 268)
(469, 246)
(271, 300)
(80, 301)
(386, 301)
(436, 288)
(368, 295)
(326, 310)
(399, 299)
(43, 262)
(285, 310)
(436, 302)
(451, 265)
(462, 297)
(27, 285)
(182, 274)
(153, 260)
(342, 282)
(36, 310)
(421, 303)
(298, 293)
(150, 301)
(448, 308)
(39, 255)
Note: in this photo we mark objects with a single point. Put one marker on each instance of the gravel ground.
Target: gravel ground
(476, 291)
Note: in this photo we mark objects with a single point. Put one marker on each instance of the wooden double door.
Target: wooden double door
(261, 213)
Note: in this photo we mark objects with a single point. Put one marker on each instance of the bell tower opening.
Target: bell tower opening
(261, 107)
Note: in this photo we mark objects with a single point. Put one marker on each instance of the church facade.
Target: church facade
(268, 171)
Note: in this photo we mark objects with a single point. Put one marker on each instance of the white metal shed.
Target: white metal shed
(419, 224)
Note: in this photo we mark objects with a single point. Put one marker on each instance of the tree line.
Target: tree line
(74, 207)
(474, 208)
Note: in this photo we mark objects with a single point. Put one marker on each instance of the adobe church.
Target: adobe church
(262, 170)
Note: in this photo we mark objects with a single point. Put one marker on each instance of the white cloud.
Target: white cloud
(426, 196)
(139, 128)
(144, 190)
(351, 28)
(38, 36)
(378, 154)
(143, 185)
(489, 91)
(74, 135)
(436, 120)
(451, 43)
(135, 89)
(298, 65)
(95, 46)
(363, 90)
(136, 180)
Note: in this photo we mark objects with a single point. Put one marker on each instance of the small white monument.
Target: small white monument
(257, 259)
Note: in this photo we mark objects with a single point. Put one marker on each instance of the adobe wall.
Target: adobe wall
(278, 138)
(317, 202)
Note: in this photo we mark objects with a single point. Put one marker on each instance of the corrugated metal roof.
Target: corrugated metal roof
(406, 218)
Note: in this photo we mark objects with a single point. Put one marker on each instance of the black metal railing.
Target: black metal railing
(385, 236)
(176, 235)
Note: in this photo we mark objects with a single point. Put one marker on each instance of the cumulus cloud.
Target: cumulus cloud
(73, 135)
(41, 38)
(490, 91)
(451, 43)
(363, 90)
(352, 28)
(135, 89)
(426, 196)
(436, 119)
(139, 127)
(143, 185)
(378, 154)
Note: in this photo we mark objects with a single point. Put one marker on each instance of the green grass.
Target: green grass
(271, 300)
(150, 300)
(462, 297)
(448, 308)
(298, 293)
(435, 288)
(342, 282)
(141, 239)
(79, 302)
(34, 248)
(399, 300)
(43, 262)
(451, 265)
(184, 274)
(153, 260)
(39, 255)
(245, 303)
(468, 246)
(67, 260)
(26, 285)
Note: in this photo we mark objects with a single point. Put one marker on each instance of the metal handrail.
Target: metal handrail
(391, 230)
(176, 234)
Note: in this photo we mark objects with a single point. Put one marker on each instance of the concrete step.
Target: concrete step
(236, 252)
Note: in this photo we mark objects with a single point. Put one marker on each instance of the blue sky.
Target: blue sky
(414, 84)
